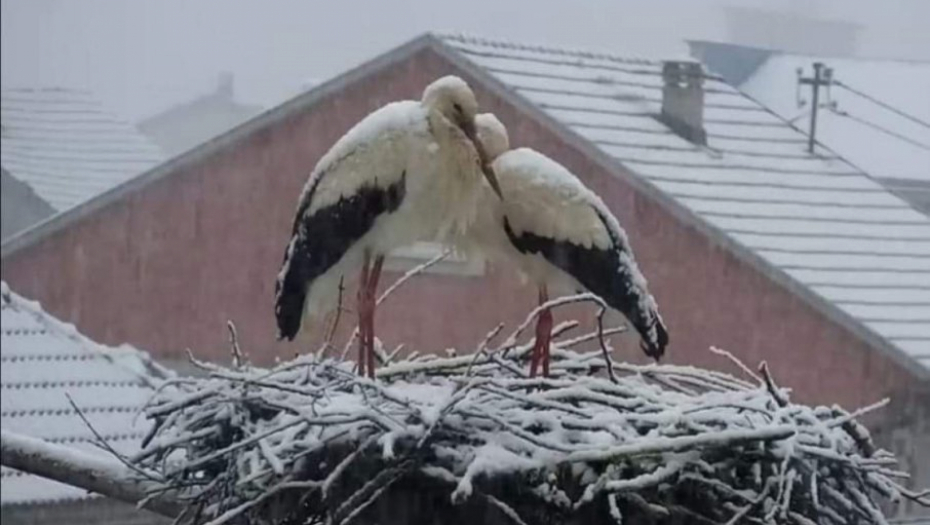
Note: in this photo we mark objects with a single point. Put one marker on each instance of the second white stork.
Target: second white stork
(407, 172)
(559, 233)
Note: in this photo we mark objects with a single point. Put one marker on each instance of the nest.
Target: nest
(472, 439)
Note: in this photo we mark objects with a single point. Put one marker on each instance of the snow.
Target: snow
(542, 197)
(863, 233)
(829, 244)
(876, 152)
(818, 218)
(764, 193)
(401, 118)
(818, 212)
(44, 362)
(67, 147)
(489, 460)
(886, 281)
(905, 313)
(841, 294)
(849, 261)
(471, 420)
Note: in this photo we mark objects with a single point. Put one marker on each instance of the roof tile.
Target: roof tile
(817, 218)
(67, 147)
(44, 362)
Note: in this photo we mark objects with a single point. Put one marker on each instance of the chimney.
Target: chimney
(224, 84)
(683, 100)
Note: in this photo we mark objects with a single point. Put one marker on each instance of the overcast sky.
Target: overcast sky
(141, 57)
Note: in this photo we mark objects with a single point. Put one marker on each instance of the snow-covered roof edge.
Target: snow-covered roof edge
(137, 362)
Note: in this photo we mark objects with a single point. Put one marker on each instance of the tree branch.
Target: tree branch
(80, 469)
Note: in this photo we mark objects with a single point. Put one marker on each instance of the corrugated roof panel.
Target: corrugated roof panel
(816, 217)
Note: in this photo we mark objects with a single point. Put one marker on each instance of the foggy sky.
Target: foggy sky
(141, 57)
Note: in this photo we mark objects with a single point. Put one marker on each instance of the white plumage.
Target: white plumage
(409, 171)
(560, 234)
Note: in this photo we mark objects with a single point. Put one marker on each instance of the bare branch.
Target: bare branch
(80, 469)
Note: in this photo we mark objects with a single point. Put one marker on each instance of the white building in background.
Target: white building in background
(59, 148)
(794, 32)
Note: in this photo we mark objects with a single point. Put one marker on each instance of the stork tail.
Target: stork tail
(290, 294)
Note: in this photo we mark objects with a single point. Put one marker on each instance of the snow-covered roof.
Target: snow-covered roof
(854, 130)
(66, 146)
(876, 114)
(44, 361)
(818, 219)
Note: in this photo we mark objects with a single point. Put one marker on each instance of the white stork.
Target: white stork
(560, 234)
(407, 172)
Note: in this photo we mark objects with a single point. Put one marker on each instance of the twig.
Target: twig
(238, 360)
(411, 273)
(739, 364)
(364, 496)
(106, 446)
(483, 346)
(770, 385)
(335, 324)
(608, 362)
(467, 420)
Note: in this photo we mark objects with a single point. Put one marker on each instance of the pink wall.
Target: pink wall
(164, 268)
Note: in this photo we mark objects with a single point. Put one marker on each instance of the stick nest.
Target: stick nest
(472, 439)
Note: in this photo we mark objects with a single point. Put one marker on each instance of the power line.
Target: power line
(882, 129)
(882, 104)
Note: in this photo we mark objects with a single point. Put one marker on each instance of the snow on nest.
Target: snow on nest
(45, 360)
(314, 429)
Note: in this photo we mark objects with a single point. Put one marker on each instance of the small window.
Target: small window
(454, 264)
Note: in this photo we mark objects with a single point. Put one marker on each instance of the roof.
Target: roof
(66, 146)
(44, 361)
(815, 219)
(881, 118)
(815, 224)
(189, 124)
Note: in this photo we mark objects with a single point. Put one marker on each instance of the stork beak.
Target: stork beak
(471, 132)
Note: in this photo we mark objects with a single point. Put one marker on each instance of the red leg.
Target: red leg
(534, 357)
(543, 336)
(373, 278)
(362, 306)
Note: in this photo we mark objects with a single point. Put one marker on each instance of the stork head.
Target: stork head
(492, 135)
(455, 101)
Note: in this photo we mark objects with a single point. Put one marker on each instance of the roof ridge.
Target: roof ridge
(469, 38)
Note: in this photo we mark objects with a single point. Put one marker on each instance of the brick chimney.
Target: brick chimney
(683, 100)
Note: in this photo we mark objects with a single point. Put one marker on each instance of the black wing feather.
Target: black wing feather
(603, 273)
(319, 242)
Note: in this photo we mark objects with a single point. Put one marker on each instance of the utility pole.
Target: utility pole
(823, 76)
